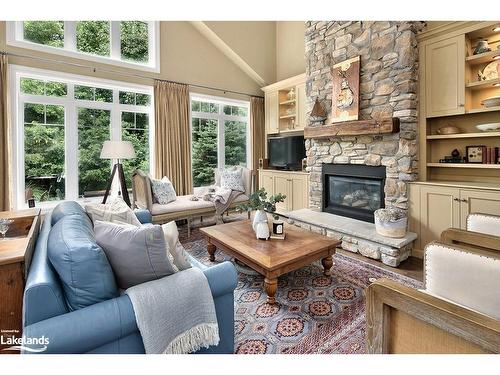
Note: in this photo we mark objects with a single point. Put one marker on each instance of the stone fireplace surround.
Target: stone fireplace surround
(388, 88)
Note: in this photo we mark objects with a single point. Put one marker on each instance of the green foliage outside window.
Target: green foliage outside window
(50, 33)
(135, 128)
(134, 43)
(93, 130)
(93, 37)
(44, 150)
(204, 146)
(235, 136)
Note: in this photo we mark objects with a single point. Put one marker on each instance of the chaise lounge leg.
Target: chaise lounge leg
(189, 226)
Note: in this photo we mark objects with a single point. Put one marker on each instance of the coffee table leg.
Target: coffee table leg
(271, 286)
(327, 264)
(211, 251)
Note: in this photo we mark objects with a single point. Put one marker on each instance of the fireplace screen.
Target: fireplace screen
(357, 195)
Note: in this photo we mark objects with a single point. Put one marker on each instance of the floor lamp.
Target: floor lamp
(117, 150)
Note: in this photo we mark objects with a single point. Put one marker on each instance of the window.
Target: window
(60, 126)
(220, 136)
(126, 43)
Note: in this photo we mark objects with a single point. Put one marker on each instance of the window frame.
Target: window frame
(221, 117)
(15, 38)
(71, 105)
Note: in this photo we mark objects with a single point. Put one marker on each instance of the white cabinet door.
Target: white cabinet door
(271, 111)
(478, 201)
(301, 107)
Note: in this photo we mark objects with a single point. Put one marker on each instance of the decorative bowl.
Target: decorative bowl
(445, 130)
(491, 102)
(489, 127)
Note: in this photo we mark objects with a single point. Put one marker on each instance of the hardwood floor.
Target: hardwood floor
(412, 267)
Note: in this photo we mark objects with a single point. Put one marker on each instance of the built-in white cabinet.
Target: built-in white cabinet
(437, 207)
(286, 105)
(295, 185)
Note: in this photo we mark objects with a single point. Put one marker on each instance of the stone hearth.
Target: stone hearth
(356, 236)
(388, 88)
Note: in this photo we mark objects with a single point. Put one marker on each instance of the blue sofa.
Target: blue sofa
(109, 326)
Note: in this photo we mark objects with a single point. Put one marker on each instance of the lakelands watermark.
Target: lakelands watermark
(24, 343)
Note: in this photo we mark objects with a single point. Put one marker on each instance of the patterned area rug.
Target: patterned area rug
(314, 313)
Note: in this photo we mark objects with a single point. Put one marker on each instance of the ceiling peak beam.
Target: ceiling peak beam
(227, 51)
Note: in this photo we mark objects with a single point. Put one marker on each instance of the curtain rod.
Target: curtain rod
(125, 74)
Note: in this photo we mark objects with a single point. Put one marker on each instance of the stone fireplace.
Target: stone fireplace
(354, 191)
(388, 88)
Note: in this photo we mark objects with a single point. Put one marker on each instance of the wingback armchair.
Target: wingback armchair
(458, 311)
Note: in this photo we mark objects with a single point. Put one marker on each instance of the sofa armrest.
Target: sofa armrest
(144, 216)
(471, 240)
(82, 330)
(400, 319)
(222, 279)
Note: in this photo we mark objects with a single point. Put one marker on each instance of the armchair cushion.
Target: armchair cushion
(482, 223)
(463, 277)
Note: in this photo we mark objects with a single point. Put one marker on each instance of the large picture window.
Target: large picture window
(220, 136)
(61, 124)
(126, 43)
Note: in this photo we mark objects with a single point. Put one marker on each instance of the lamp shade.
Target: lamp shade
(117, 150)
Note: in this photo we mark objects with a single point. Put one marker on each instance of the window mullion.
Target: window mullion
(70, 35)
(71, 145)
(221, 151)
(115, 40)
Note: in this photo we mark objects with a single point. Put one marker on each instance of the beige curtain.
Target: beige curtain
(257, 126)
(4, 137)
(173, 135)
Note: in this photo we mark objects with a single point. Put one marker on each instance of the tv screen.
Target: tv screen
(286, 152)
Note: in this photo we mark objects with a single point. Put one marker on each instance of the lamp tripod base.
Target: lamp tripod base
(117, 168)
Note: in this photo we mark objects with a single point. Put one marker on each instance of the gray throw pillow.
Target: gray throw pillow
(163, 190)
(136, 254)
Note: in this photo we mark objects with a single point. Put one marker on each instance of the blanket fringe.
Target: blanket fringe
(200, 336)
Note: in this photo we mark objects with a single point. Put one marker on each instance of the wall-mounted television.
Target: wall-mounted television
(286, 152)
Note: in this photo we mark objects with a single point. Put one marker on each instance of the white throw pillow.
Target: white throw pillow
(115, 212)
(163, 190)
(174, 247)
(232, 179)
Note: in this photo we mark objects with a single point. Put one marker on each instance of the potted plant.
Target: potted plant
(259, 202)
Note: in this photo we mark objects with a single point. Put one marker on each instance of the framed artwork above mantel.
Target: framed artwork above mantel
(345, 94)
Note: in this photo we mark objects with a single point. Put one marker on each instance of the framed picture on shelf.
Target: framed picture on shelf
(474, 154)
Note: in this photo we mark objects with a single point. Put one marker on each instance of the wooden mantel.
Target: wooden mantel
(359, 127)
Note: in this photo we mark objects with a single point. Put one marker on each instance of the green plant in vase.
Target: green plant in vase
(260, 202)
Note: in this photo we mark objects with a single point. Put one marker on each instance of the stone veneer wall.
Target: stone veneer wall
(388, 88)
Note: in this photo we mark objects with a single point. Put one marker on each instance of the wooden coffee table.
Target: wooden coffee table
(270, 258)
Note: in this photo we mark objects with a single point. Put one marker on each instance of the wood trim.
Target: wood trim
(227, 51)
(286, 83)
(358, 127)
(469, 327)
(472, 240)
(452, 28)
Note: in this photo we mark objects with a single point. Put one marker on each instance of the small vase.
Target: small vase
(259, 217)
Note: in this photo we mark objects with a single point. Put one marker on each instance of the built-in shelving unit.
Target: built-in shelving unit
(479, 85)
(464, 135)
(464, 165)
(452, 92)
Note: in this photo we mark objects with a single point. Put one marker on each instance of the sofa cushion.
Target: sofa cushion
(184, 205)
(82, 266)
(136, 254)
(174, 246)
(465, 278)
(163, 191)
(115, 212)
(66, 208)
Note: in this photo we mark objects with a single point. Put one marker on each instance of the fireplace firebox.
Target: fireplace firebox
(351, 190)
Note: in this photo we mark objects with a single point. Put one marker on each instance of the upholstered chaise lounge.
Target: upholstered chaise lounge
(183, 207)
